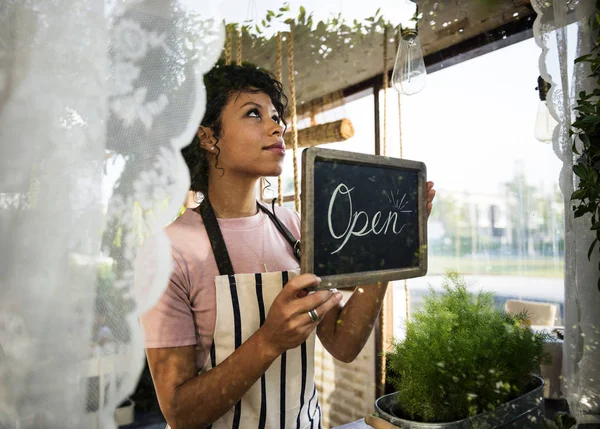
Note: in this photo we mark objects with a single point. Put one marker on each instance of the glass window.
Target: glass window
(498, 217)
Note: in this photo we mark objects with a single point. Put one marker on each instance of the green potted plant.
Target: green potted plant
(464, 364)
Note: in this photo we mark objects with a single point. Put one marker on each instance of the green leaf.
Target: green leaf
(549, 424)
(579, 211)
(579, 194)
(592, 249)
(582, 58)
(565, 420)
(585, 139)
(587, 122)
(583, 108)
(302, 15)
(579, 170)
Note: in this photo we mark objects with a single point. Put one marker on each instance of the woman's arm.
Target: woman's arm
(188, 400)
(345, 329)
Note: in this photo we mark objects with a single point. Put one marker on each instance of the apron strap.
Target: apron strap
(216, 238)
(294, 242)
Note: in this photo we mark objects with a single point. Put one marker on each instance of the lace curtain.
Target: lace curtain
(96, 100)
(581, 352)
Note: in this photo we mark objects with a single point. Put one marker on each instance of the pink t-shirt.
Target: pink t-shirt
(185, 314)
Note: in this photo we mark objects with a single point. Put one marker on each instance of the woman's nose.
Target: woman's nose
(277, 128)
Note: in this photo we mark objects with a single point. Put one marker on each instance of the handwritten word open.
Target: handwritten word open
(369, 225)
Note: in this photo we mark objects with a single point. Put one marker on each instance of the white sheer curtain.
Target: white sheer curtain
(96, 100)
(581, 354)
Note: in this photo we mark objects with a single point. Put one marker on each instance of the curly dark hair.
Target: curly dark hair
(222, 82)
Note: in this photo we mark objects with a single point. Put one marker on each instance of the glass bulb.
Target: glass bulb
(410, 75)
(544, 123)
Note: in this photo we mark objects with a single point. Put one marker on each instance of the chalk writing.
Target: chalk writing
(342, 195)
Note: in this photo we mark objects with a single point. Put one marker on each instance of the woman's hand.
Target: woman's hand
(288, 324)
(430, 197)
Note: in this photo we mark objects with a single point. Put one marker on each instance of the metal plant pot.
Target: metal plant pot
(523, 412)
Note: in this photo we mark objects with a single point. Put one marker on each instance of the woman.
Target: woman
(237, 351)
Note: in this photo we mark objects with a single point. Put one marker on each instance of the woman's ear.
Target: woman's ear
(207, 139)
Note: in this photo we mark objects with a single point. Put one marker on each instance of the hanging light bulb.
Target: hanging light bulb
(544, 122)
(410, 75)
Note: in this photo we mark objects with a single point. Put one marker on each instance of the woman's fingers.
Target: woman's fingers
(321, 309)
(430, 197)
(328, 305)
(297, 285)
(312, 301)
(320, 301)
(288, 323)
(430, 192)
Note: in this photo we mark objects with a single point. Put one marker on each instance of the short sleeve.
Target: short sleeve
(170, 322)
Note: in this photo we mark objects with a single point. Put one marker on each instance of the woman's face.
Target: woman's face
(251, 140)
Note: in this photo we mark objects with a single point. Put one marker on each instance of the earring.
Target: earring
(198, 197)
(212, 148)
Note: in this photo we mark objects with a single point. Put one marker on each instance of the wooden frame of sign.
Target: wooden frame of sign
(364, 218)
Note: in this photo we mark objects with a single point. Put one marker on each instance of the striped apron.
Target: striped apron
(285, 396)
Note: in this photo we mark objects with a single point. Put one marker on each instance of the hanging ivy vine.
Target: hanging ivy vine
(335, 24)
(586, 129)
(323, 37)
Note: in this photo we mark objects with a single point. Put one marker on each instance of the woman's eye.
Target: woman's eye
(276, 119)
(254, 113)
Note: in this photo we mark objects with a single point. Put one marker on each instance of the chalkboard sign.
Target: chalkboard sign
(364, 218)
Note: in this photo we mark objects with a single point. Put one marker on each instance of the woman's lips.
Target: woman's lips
(276, 148)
